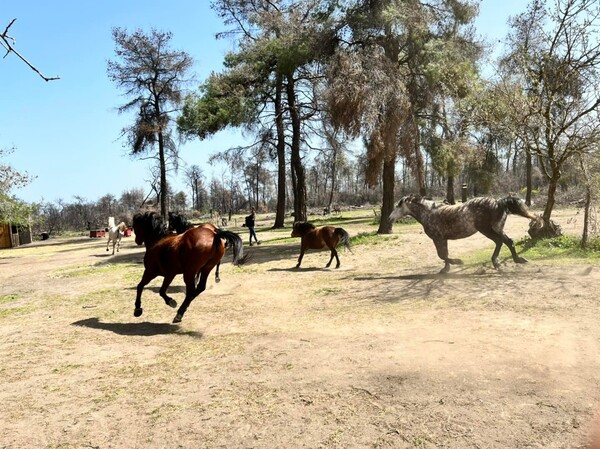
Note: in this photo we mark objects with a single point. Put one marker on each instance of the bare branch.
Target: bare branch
(8, 41)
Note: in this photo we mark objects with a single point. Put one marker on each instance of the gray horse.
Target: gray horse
(443, 222)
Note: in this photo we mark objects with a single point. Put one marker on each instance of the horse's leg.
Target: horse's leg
(217, 278)
(163, 291)
(334, 253)
(442, 249)
(107, 242)
(191, 291)
(146, 278)
(511, 246)
(499, 239)
(302, 250)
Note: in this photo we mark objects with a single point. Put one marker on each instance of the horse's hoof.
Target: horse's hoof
(521, 260)
(138, 312)
(172, 303)
(217, 280)
(177, 318)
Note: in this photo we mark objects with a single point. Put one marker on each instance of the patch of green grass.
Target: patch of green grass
(66, 368)
(87, 270)
(326, 291)
(98, 296)
(563, 249)
(372, 238)
(4, 313)
(8, 298)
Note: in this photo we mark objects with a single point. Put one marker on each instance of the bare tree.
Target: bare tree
(555, 60)
(152, 75)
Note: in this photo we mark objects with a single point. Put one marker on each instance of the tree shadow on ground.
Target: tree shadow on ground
(120, 258)
(412, 286)
(143, 329)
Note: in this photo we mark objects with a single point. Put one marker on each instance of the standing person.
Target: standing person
(250, 225)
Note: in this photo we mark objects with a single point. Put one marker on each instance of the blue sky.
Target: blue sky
(67, 132)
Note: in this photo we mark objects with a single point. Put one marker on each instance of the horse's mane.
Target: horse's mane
(418, 199)
(152, 223)
(303, 227)
(178, 223)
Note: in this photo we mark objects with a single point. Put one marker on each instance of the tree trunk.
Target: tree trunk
(419, 165)
(389, 178)
(281, 196)
(163, 176)
(333, 168)
(528, 170)
(588, 202)
(450, 189)
(296, 160)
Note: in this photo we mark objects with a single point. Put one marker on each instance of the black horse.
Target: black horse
(444, 222)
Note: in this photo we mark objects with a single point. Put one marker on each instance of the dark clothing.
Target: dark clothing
(249, 222)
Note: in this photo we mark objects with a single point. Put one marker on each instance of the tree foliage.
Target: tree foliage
(153, 76)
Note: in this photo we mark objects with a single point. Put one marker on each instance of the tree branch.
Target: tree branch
(7, 42)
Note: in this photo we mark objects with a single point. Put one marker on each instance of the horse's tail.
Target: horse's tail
(516, 206)
(344, 237)
(234, 241)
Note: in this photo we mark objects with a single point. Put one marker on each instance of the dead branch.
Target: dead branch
(8, 41)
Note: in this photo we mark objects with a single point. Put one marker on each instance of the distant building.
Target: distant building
(12, 236)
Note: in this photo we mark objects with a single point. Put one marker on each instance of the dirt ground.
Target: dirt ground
(381, 353)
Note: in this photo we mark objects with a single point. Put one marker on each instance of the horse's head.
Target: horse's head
(402, 209)
(148, 228)
(301, 227)
(138, 227)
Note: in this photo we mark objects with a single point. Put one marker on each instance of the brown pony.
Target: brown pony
(317, 238)
(194, 252)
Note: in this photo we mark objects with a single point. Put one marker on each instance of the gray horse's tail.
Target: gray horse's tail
(344, 237)
(516, 206)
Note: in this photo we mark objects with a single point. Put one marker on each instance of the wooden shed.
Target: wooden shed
(12, 236)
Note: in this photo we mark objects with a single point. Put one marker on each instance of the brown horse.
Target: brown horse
(443, 222)
(317, 238)
(179, 224)
(194, 252)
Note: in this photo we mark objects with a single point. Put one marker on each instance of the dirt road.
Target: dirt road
(381, 353)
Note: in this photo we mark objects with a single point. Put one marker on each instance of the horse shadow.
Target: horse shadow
(143, 329)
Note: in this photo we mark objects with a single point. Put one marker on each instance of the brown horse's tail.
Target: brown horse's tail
(344, 237)
(516, 206)
(234, 241)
